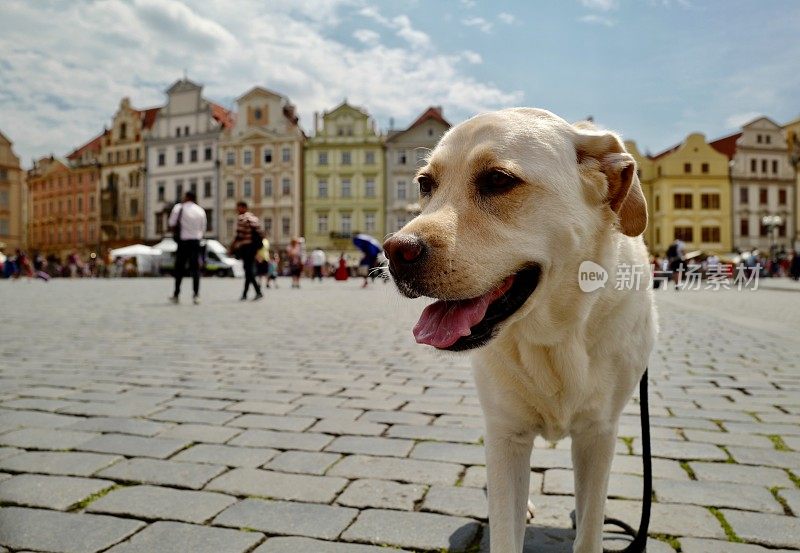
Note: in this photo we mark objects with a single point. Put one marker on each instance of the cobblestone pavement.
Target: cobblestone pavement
(311, 423)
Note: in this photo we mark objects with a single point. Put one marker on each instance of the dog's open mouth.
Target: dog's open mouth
(458, 325)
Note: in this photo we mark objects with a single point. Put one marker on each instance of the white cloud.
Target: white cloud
(480, 23)
(739, 119)
(506, 18)
(601, 5)
(469, 4)
(598, 20)
(472, 57)
(65, 68)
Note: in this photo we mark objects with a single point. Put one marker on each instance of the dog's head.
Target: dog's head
(507, 196)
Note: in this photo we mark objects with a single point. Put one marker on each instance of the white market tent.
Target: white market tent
(147, 258)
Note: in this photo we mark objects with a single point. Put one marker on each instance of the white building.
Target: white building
(406, 151)
(182, 151)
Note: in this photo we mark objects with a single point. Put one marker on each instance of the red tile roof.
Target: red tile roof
(726, 145)
(93, 146)
(224, 116)
(148, 117)
(433, 112)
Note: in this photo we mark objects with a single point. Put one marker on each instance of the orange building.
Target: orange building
(64, 203)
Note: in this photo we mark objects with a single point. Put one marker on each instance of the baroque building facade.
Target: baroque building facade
(13, 203)
(406, 152)
(182, 147)
(261, 160)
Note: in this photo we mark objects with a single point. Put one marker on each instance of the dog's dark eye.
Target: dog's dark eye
(425, 185)
(496, 181)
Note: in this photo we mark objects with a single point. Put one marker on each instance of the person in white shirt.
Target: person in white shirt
(318, 262)
(188, 223)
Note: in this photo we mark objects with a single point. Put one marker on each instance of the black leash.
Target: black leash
(639, 543)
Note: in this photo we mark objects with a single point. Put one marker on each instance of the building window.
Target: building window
(268, 186)
(782, 229)
(286, 226)
(230, 157)
(286, 186)
(179, 157)
(709, 234)
(704, 167)
(322, 189)
(764, 166)
(420, 155)
(248, 157)
(369, 222)
(758, 138)
(230, 189)
(179, 189)
(248, 188)
(123, 129)
(767, 138)
(186, 130)
(774, 166)
(744, 196)
(709, 201)
(193, 186)
(763, 195)
(229, 227)
(209, 220)
(764, 230)
(346, 191)
(162, 158)
(207, 153)
(257, 113)
(684, 233)
(687, 167)
(161, 191)
(268, 155)
(782, 196)
(369, 188)
(744, 227)
(347, 158)
(322, 158)
(753, 165)
(286, 155)
(4, 199)
(322, 223)
(193, 154)
(402, 190)
(682, 201)
(268, 225)
(177, 131)
(134, 207)
(207, 187)
(347, 223)
(91, 202)
(369, 158)
(401, 157)
(401, 222)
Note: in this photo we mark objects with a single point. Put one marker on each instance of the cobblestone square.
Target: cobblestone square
(311, 422)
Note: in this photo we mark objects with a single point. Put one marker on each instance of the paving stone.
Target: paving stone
(58, 462)
(321, 412)
(436, 433)
(34, 419)
(226, 455)
(51, 492)
(662, 468)
(100, 409)
(370, 446)
(403, 470)
(623, 486)
(119, 425)
(550, 459)
(726, 438)
(21, 528)
(10, 452)
(396, 417)
(449, 452)
(177, 537)
(35, 404)
(475, 477)
(201, 433)
(381, 494)
(262, 407)
(122, 444)
(792, 498)
(198, 403)
(684, 451)
(416, 530)
(339, 427)
(449, 500)
(769, 530)
(45, 438)
(743, 474)
(766, 457)
(196, 416)
(718, 494)
(277, 485)
(282, 440)
(156, 471)
(303, 462)
(696, 545)
(308, 545)
(288, 518)
(673, 520)
(151, 502)
(273, 422)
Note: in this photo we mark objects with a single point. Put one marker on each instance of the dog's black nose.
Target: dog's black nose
(403, 249)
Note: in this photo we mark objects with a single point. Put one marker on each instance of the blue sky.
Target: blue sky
(653, 70)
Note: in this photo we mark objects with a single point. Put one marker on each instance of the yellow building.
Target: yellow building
(344, 182)
(792, 130)
(645, 169)
(691, 198)
(13, 208)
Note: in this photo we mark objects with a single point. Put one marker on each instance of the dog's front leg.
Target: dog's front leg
(508, 473)
(592, 453)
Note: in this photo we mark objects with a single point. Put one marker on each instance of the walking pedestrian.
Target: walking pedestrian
(294, 254)
(676, 255)
(246, 245)
(318, 262)
(188, 223)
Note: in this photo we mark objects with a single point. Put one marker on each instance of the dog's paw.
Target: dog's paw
(531, 510)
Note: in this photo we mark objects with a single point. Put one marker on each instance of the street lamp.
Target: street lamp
(772, 222)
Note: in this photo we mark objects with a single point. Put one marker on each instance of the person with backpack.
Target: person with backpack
(246, 245)
(188, 223)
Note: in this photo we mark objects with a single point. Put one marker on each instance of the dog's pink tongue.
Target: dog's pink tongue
(442, 323)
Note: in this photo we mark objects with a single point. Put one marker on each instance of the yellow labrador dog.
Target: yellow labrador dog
(513, 202)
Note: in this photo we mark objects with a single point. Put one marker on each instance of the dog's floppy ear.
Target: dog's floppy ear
(624, 194)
